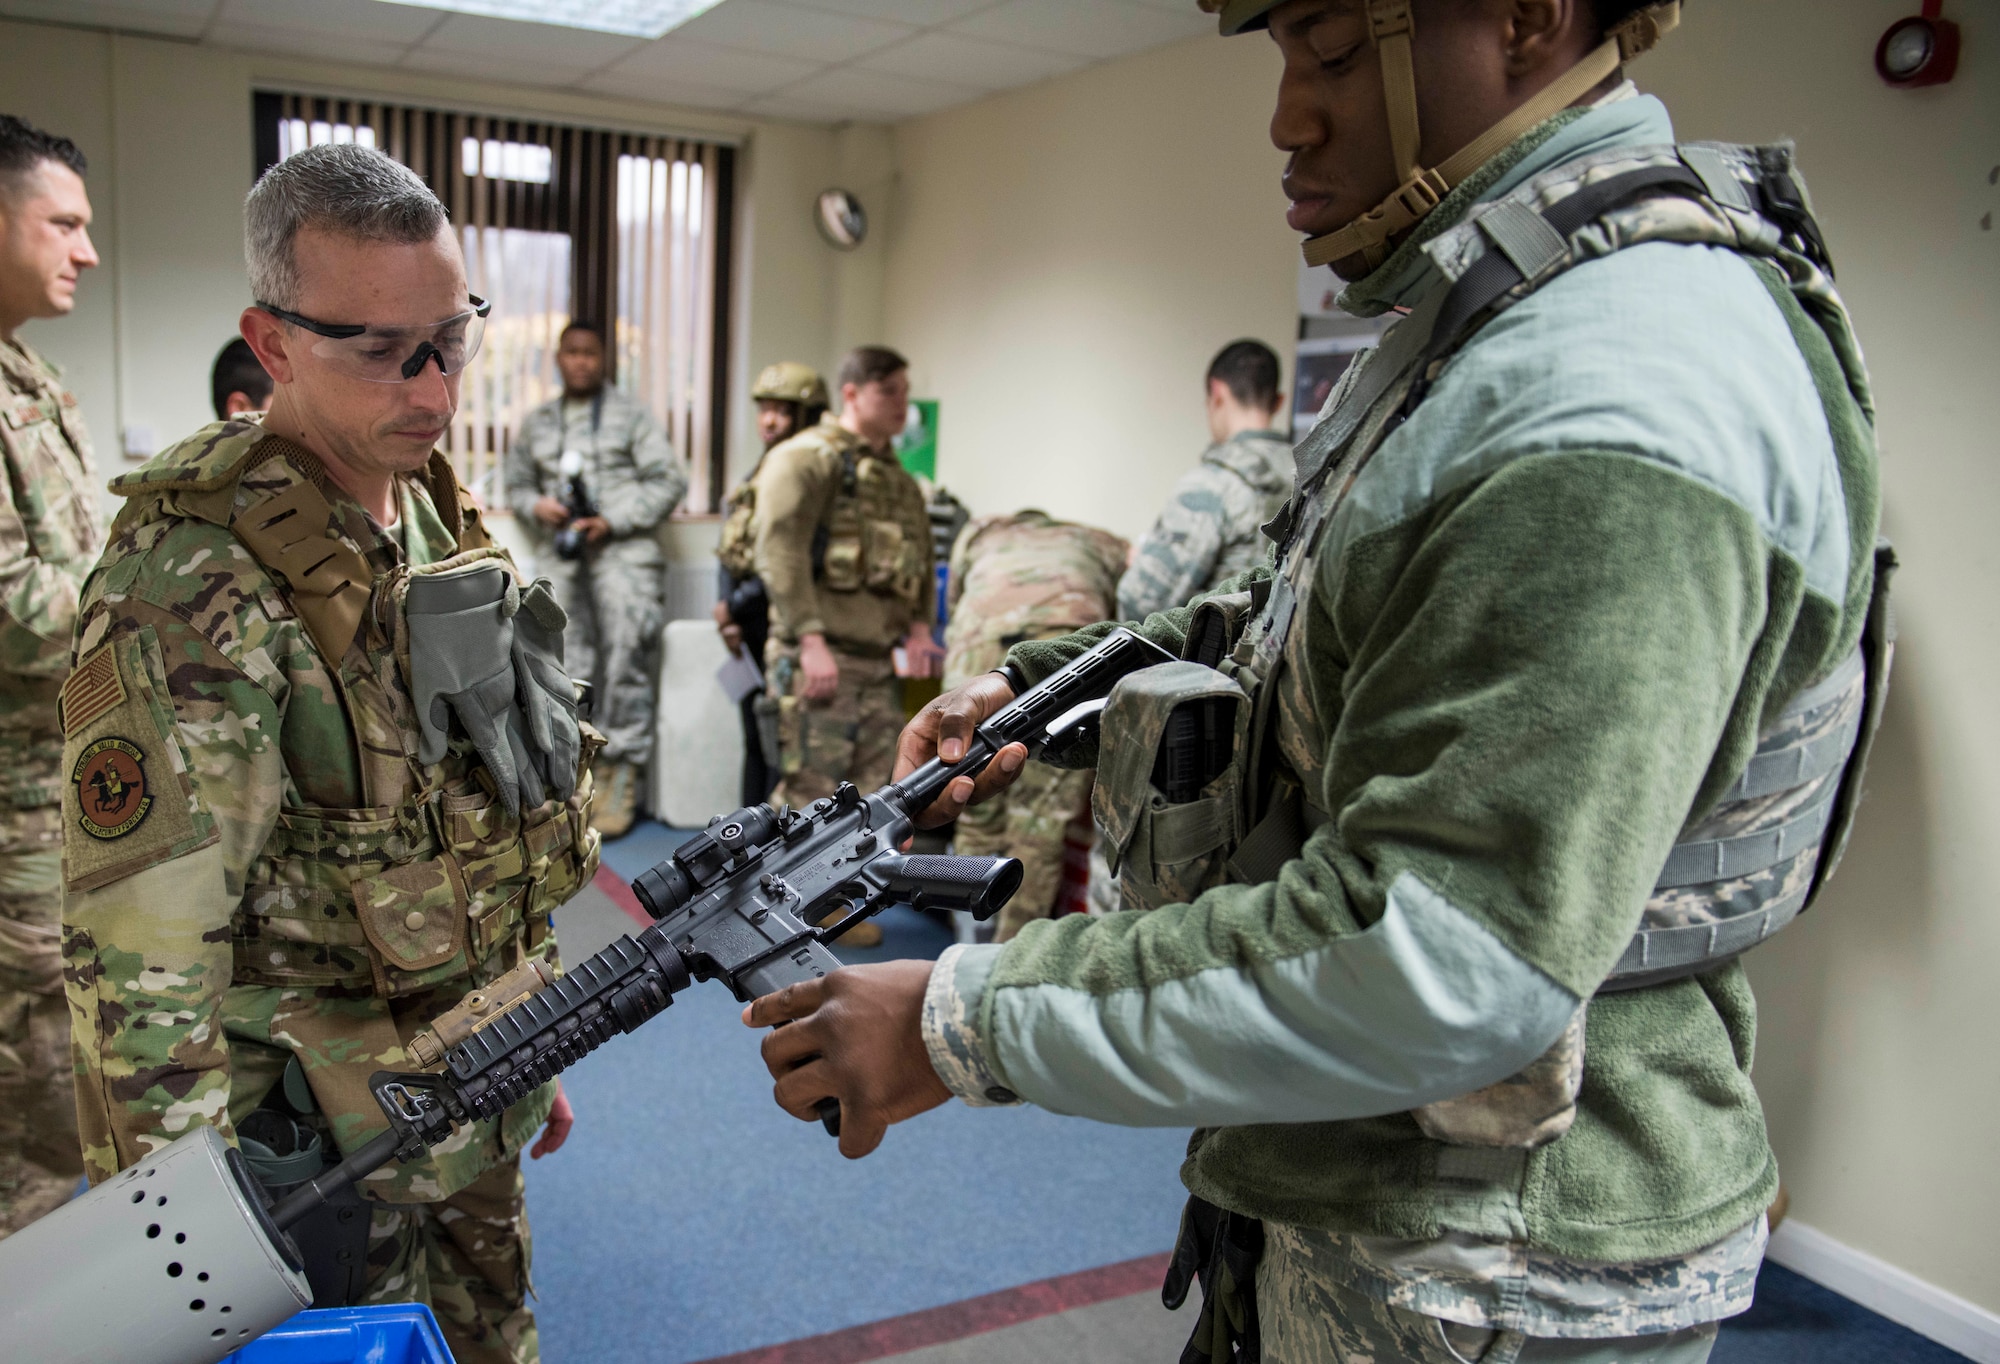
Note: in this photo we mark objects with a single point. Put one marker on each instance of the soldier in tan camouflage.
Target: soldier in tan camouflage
(296, 839)
(1212, 528)
(790, 398)
(50, 531)
(843, 544)
(1015, 578)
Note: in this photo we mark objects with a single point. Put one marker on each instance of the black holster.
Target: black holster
(332, 1238)
(1220, 1249)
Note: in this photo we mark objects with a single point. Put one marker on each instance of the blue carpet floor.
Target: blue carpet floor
(1795, 1321)
(688, 1218)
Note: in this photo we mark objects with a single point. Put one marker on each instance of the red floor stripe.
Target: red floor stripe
(613, 885)
(958, 1320)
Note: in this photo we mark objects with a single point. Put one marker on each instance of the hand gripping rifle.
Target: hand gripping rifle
(754, 901)
(203, 1255)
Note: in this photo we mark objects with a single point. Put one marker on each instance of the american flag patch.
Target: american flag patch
(94, 688)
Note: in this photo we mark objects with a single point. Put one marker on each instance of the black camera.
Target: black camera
(570, 540)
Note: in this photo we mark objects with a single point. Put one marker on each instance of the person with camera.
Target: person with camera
(591, 475)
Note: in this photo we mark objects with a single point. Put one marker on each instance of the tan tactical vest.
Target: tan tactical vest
(737, 549)
(431, 880)
(874, 537)
(1751, 866)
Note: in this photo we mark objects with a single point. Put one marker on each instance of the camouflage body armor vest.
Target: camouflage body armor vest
(1754, 862)
(871, 538)
(431, 879)
(737, 549)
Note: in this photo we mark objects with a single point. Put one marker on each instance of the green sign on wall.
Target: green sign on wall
(917, 446)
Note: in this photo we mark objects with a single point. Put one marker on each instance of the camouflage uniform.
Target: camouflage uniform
(49, 533)
(614, 594)
(267, 871)
(843, 544)
(1212, 529)
(1014, 578)
(1314, 1309)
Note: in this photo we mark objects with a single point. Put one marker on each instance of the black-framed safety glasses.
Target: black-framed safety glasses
(394, 355)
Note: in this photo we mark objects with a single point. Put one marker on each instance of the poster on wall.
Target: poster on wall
(1329, 339)
(917, 446)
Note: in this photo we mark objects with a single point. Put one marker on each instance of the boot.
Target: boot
(615, 803)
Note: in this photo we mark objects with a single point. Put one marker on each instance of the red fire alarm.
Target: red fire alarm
(1920, 50)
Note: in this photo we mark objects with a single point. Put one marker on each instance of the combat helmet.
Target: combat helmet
(788, 381)
(1391, 28)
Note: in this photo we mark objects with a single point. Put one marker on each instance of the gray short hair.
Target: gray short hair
(341, 188)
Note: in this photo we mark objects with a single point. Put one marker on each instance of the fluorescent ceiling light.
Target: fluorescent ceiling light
(639, 18)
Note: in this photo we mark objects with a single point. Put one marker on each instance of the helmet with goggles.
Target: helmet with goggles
(1391, 28)
(385, 354)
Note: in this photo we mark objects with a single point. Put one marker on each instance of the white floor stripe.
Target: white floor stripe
(1897, 1294)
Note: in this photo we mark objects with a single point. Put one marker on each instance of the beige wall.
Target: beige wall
(1877, 1060)
(1065, 260)
(168, 131)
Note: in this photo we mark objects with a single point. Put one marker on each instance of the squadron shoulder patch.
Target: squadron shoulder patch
(111, 795)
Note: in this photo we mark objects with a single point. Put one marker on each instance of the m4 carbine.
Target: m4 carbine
(753, 901)
(743, 903)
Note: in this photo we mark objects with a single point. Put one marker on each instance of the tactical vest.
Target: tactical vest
(874, 538)
(871, 537)
(431, 881)
(1751, 865)
(737, 549)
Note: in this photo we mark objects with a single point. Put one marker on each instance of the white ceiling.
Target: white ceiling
(819, 61)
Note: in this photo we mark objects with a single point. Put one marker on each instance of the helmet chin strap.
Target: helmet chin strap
(1392, 30)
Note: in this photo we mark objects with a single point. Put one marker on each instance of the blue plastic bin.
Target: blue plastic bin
(395, 1333)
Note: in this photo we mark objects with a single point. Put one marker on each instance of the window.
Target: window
(628, 231)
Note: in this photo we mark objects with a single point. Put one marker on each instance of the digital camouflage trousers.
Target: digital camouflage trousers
(615, 604)
(850, 736)
(40, 1156)
(1026, 822)
(468, 1257)
(1307, 1317)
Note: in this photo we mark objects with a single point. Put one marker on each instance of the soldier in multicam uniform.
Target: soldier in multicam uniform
(614, 590)
(843, 544)
(1212, 528)
(50, 532)
(284, 858)
(1545, 712)
(790, 398)
(1015, 578)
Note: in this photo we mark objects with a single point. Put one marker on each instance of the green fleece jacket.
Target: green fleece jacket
(1630, 521)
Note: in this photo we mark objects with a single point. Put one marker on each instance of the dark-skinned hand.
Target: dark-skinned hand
(857, 1036)
(942, 729)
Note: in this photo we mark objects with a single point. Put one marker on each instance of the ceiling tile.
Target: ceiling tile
(1102, 28)
(297, 43)
(500, 69)
(367, 21)
(970, 61)
(175, 18)
(881, 95)
(812, 35)
(661, 90)
(706, 64)
(924, 12)
(808, 111)
(510, 40)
